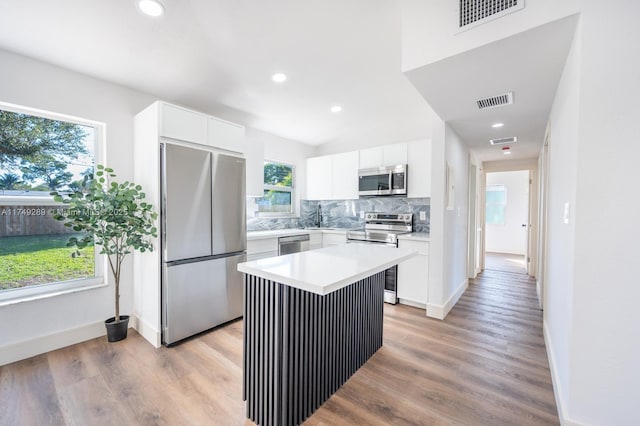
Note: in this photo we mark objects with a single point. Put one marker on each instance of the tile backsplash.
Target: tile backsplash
(344, 213)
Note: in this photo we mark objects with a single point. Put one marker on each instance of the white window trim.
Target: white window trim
(290, 189)
(39, 291)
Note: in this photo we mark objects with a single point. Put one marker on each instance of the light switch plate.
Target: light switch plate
(567, 213)
(423, 215)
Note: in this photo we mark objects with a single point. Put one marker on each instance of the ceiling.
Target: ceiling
(218, 56)
(529, 64)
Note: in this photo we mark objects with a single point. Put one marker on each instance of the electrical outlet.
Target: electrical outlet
(423, 215)
(361, 214)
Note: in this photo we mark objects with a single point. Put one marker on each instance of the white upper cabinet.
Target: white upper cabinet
(319, 178)
(371, 157)
(254, 154)
(380, 156)
(419, 165)
(395, 154)
(344, 176)
(333, 177)
(183, 124)
(225, 135)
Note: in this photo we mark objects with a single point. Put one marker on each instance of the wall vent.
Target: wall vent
(503, 141)
(476, 12)
(495, 101)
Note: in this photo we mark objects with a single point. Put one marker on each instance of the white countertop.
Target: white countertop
(257, 235)
(415, 236)
(325, 270)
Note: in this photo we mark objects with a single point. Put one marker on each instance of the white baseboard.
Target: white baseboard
(32, 347)
(441, 311)
(146, 330)
(412, 303)
(557, 390)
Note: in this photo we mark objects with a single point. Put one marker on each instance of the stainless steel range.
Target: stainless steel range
(384, 228)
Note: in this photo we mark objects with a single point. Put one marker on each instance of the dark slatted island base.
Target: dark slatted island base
(311, 319)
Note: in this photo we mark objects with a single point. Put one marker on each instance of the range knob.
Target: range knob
(369, 216)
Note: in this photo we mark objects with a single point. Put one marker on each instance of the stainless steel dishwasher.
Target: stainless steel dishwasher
(293, 244)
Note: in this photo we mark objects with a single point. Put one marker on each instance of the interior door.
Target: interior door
(186, 202)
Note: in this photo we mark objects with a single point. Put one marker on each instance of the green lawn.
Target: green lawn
(41, 259)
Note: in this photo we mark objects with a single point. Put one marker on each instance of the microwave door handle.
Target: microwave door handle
(390, 181)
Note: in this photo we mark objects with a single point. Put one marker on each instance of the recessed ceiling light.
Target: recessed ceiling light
(336, 108)
(151, 7)
(279, 77)
(496, 125)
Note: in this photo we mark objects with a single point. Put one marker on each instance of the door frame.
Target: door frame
(532, 228)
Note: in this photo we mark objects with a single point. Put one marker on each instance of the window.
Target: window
(278, 190)
(496, 201)
(41, 152)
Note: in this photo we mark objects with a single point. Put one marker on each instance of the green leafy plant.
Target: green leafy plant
(112, 215)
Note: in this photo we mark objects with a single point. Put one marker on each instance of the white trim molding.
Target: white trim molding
(441, 311)
(146, 330)
(557, 390)
(27, 348)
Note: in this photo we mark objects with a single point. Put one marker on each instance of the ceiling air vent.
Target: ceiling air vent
(502, 141)
(476, 12)
(495, 101)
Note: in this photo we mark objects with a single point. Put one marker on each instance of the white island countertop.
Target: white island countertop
(328, 269)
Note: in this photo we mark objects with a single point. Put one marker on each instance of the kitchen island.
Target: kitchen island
(311, 319)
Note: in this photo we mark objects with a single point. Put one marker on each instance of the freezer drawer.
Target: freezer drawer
(201, 295)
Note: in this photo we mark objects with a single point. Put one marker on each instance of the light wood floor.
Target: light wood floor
(484, 365)
(505, 262)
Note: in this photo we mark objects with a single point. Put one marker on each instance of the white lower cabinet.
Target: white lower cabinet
(262, 248)
(413, 274)
(329, 240)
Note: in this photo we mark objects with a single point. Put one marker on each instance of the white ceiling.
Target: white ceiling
(530, 64)
(218, 56)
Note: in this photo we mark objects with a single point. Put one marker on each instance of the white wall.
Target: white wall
(77, 316)
(33, 327)
(429, 28)
(448, 247)
(285, 151)
(591, 321)
(511, 237)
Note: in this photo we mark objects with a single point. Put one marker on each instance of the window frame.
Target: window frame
(54, 288)
(290, 189)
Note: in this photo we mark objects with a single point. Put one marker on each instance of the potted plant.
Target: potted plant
(115, 217)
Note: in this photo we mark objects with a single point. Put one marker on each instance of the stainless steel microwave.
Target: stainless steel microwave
(391, 180)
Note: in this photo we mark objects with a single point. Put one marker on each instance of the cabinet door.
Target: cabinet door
(419, 161)
(254, 153)
(329, 240)
(413, 274)
(344, 168)
(225, 135)
(371, 157)
(395, 154)
(183, 124)
(319, 180)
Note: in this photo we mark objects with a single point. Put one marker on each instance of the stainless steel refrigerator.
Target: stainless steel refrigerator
(203, 238)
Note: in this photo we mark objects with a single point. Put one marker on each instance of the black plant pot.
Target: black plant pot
(117, 331)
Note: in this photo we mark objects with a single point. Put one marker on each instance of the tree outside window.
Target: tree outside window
(38, 155)
(278, 189)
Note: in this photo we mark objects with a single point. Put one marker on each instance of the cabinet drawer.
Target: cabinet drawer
(262, 245)
(421, 246)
